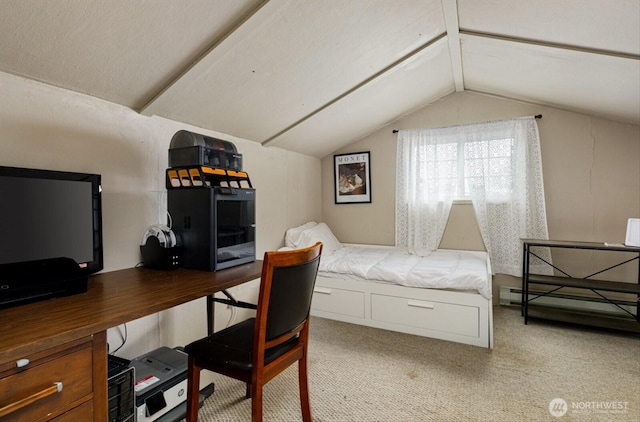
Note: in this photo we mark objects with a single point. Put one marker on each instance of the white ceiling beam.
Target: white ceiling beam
(560, 46)
(421, 79)
(358, 86)
(144, 110)
(450, 10)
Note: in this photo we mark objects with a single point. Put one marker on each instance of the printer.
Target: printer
(160, 382)
(161, 385)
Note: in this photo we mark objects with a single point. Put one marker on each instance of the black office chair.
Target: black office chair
(258, 349)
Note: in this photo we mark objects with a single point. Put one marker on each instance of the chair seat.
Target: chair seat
(232, 347)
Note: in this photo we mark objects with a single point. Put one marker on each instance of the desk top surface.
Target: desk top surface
(112, 298)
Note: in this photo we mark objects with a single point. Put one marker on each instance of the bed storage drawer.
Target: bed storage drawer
(425, 314)
(338, 301)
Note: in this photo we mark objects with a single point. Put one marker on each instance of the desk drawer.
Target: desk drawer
(338, 301)
(83, 412)
(35, 385)
(430, 315)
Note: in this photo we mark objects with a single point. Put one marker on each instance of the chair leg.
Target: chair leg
(303, 381)
(248, 391)
(256, 402)
(193, 391)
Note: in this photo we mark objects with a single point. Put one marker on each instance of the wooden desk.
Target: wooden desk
(49, 332)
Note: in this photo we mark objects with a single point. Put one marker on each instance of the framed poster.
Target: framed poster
(352, 175)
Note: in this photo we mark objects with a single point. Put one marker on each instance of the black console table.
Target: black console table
(628, 322)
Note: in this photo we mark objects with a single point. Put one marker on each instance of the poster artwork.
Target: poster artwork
(352, 178)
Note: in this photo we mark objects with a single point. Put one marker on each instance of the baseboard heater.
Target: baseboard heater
(512, 296)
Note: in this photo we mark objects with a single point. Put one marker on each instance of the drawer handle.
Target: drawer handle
(21, 363)
(22, 403)
(420, 304)
(322, 290)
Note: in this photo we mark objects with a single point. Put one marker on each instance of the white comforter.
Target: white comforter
(447, 269)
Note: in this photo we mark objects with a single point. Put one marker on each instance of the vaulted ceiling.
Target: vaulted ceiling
(315, 75)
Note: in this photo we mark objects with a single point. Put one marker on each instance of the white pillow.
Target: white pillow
(319, 233)
(292, 236)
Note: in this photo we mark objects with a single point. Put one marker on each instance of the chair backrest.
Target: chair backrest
(288, 279)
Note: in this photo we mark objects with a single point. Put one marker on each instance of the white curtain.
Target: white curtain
(496, 164)
(424, 191)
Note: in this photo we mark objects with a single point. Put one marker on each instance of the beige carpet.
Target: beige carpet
(363, 374)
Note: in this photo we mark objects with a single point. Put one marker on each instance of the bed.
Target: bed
(445, 294)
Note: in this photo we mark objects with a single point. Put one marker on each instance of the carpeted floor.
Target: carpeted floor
(364, 374)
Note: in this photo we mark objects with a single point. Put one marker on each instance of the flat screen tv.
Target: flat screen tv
(50, 233)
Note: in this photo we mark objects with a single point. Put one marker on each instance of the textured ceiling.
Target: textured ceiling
(315, 75)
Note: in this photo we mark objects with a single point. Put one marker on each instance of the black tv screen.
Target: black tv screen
(50, 233)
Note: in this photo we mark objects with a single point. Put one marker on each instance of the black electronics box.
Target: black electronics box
(202, 156)
(158, 257)
(121, 394)
(189, 149)
(216, 226)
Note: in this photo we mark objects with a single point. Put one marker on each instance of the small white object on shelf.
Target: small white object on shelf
(633, 232)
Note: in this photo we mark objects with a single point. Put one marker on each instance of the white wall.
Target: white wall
(46, 127)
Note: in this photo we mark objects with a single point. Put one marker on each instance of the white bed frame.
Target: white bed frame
(454, 315)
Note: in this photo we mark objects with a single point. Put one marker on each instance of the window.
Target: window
(458, 166)
(495, 164)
